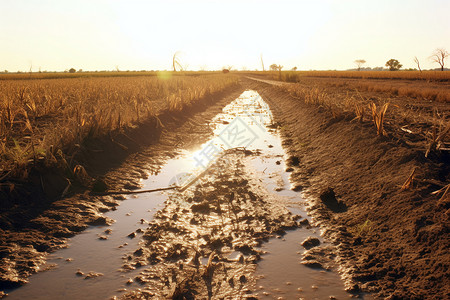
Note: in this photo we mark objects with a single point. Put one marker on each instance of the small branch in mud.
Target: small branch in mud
(443, 191)
(134, 192)
(183, 188)
(179, 188)
(408, 183)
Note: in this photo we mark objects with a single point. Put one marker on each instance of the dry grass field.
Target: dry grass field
(40, 115)
(410, 75)
(407, 107)
(429, 85)
(90, 74)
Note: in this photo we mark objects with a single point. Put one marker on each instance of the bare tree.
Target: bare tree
(262, 62)
(416, 60)
(359, 63)
(176, 62)
(439, 57)
(31, 69)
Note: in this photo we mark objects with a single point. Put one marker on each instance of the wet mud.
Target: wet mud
(208, 237)
(390, 241)
(191, 244)
(208, 240)
(220, 237)
(26, 238)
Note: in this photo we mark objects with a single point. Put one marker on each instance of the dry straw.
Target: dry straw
(36, 115)
(378, 116)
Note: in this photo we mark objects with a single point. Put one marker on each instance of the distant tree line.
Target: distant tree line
(439, 56)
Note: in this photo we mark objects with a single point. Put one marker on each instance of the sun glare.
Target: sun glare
(144, 35)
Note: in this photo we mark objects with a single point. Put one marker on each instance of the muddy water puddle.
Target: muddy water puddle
(246, 123)
(281, 275)
(99, 250)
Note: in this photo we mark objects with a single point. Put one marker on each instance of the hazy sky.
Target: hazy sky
(136, 35)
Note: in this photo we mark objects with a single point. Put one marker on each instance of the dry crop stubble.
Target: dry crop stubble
(39, 115)
(408, 75)
(402, 115)
(429, 85)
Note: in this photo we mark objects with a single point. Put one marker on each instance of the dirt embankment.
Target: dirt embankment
(390, 241)
(35, 219)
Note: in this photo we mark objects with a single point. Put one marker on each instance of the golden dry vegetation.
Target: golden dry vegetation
(430, 122)
(41, 114)
(427, 85)
(430, 91)
(57, 75)
(409, 75)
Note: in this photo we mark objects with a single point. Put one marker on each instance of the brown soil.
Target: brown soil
(390, 241)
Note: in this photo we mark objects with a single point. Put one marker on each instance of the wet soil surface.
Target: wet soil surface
(210, 239)
(25, 240)
(191, 241)
(206, 240)
(391, 241)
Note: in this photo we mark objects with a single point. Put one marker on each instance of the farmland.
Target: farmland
(429, 85)
(409, 75)
(358, 151)
(224, 150)
(42, 114)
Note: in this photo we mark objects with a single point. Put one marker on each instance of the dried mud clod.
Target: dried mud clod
(93, 274)
(321, 257)
(310, 242)
(189, 249)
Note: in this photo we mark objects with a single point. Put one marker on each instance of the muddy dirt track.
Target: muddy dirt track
(388, 241)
